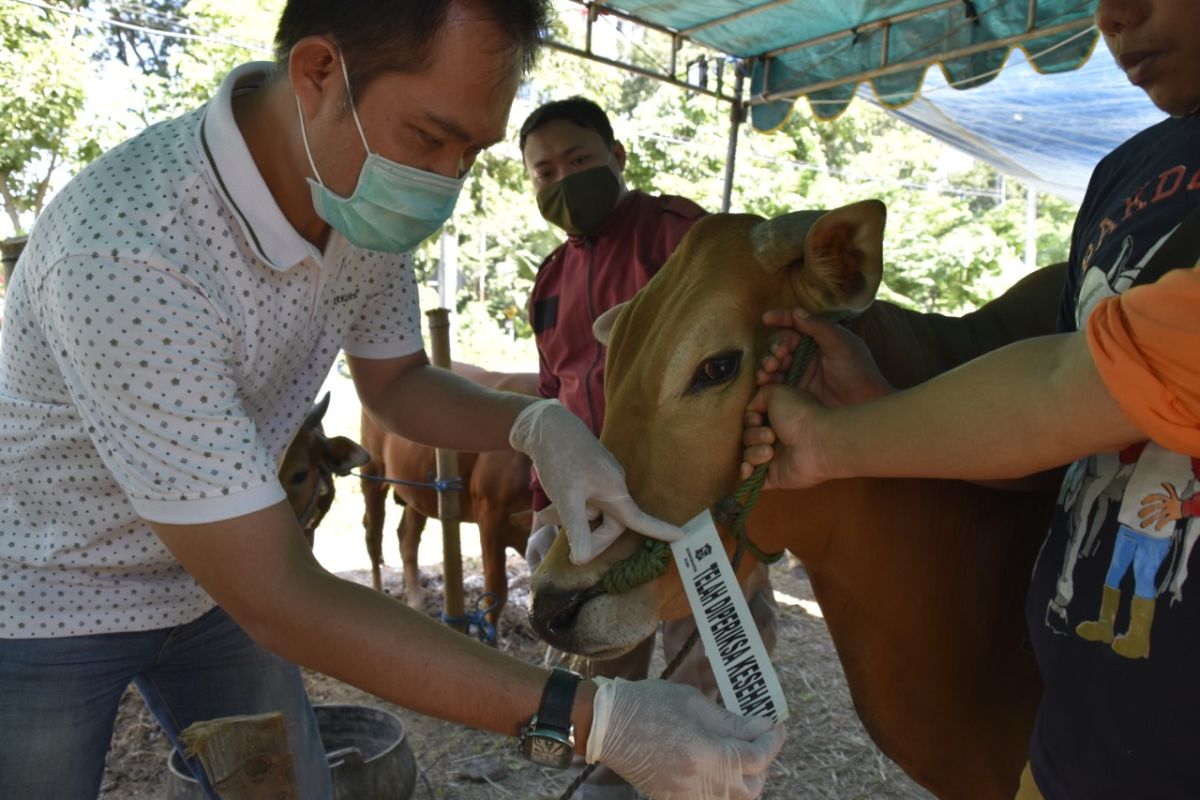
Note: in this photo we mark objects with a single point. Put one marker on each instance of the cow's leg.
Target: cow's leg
(412, 524)
(492, 538)
(374, 501)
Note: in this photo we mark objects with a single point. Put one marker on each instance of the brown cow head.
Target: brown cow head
(681, 361)
(308, 467)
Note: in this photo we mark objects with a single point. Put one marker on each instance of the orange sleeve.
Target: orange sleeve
(1146, 345)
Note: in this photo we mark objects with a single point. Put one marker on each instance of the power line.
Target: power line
(849, 176)
(116, 23)
(146, 12)
(133, 6)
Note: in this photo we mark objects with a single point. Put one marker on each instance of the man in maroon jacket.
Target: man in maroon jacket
(617, 239)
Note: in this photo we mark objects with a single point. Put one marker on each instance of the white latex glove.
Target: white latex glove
(539, 544)
(672, 742)
(582, 479)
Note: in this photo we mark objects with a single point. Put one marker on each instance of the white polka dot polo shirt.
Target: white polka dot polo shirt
(165, 334)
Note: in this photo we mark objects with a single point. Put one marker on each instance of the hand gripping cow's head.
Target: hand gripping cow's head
(681, 361)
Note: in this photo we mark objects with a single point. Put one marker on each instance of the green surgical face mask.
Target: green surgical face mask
(580, 202)
(394, 207)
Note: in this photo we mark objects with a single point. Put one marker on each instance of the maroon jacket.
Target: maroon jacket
(584, 277)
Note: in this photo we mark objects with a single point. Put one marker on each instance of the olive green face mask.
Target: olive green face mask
(580, 202)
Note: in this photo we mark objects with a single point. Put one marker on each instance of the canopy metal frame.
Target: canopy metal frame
(738, 106)
(745, 62)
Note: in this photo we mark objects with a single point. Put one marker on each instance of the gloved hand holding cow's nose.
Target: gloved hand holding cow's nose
(582, 479)
(672, 742)
(540, 541)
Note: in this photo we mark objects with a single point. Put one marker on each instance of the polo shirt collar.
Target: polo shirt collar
(238, 178)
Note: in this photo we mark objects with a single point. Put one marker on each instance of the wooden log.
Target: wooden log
(449, 512)
(10, 251)
(245, 757)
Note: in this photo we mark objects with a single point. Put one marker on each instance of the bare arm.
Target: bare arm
(1030, 406)
(258, 568)
(410, 397)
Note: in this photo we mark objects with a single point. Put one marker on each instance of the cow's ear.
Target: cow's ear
(602, 327)
(843, 257)
(346, 454)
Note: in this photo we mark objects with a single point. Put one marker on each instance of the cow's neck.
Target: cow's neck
(893, 595)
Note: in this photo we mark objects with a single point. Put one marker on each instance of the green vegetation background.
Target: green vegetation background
(80, 76)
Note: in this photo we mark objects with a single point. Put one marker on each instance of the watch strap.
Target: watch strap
(558, 700)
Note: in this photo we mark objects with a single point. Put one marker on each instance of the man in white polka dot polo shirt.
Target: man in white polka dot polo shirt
(172, 318)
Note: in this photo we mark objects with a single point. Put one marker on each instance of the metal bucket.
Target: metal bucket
(369, 757)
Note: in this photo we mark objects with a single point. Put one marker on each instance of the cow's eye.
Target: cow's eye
(299, 477)
(715, 371)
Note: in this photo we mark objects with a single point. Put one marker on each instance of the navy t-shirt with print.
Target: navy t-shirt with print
(1114, 622)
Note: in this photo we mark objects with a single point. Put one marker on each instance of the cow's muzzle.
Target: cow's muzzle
(554, 613)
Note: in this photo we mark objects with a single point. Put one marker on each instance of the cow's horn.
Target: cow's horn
(779, 241)
(602, 327)
(317, 413)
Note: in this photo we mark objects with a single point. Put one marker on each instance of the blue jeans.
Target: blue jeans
(1145, 553)
(59, 697)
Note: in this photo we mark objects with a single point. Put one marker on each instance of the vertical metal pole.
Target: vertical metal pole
(737, 115)
(591, 18)
(447, 468)
(1030, 228)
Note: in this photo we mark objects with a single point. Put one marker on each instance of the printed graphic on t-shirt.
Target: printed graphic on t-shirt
(1106, 280)
(1114, 642)
(1131, 508)
(1140, 504)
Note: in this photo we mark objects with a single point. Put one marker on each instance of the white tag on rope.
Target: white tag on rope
(735, 649)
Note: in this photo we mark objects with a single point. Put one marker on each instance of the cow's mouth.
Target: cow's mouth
(593, 623)
(554, 613)
(582, 610)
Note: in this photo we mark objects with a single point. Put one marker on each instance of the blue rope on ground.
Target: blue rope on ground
(477, 619)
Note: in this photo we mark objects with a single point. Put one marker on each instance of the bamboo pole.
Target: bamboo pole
(448, 502)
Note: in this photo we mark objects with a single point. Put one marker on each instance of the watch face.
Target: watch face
(549, 752)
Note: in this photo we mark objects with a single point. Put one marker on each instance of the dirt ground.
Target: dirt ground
(827, 754)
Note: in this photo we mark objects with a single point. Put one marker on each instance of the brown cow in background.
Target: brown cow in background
(495, 495)
(921, 582)
(308, 467)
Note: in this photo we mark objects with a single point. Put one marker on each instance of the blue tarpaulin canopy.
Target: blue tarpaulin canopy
(1046, 130)
(1030, 110)
(823, 50)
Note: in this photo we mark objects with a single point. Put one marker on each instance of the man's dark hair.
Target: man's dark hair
(377, 36)
(580, 110)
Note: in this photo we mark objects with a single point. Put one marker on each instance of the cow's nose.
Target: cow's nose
(554, 612)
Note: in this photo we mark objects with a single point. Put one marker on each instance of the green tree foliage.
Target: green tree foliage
(82, 76)
(129, 40)
(230, 32)
(956, 230)
(45, 71)
(181, 49)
